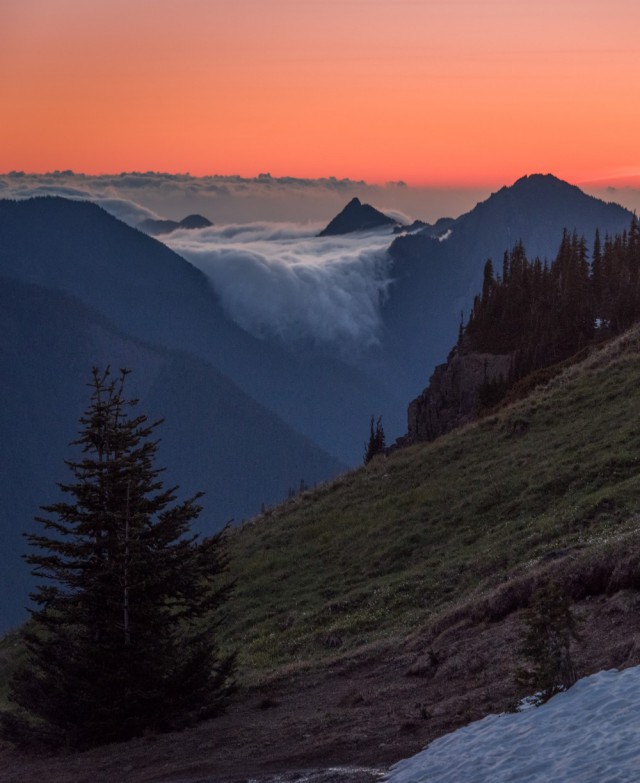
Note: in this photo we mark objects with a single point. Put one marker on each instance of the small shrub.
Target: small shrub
(546, 644)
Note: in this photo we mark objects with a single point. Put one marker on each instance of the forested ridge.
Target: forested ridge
(545, 313)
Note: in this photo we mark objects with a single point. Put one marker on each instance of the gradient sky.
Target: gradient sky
(432, 92)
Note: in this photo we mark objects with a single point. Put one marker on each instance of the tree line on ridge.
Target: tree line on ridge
(545, 313)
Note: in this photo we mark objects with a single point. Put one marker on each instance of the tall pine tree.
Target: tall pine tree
(123, 639)
(376, 443)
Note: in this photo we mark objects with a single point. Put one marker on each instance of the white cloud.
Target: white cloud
(281, 280)
(273, 277)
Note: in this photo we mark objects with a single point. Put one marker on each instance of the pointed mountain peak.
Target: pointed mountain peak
(356, 216)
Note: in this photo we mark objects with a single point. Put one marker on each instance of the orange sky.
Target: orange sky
(453, 92)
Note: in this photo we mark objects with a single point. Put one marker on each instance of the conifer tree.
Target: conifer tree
(123, 638)
(376, 443)
(551, 626)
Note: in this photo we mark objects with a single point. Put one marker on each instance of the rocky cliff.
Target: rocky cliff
(453, 394)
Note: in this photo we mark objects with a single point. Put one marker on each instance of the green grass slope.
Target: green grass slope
(390, 547)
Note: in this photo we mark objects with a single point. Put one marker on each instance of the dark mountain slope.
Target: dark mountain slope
(150, 292)
(436, 278)
(214, 439)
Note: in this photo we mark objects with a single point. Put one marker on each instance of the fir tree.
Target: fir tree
(376, 443)
(546, 644)
(123, 637)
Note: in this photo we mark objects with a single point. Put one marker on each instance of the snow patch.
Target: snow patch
(590, 734)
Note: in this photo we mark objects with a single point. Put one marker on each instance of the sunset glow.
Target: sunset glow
(440, 93)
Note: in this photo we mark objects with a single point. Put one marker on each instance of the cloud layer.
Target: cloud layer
(280, 280)
(274, 278)
(233, 199)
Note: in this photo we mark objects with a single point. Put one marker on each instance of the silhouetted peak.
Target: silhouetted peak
(540, 183)
(357, 216)
(547, 196)
(158, 227)
(195, 221)
(538, 179)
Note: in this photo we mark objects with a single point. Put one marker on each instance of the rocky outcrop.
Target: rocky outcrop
(453, 394)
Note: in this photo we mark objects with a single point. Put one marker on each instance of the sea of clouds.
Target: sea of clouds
(274, 276)
(281, 280)
(234, 199)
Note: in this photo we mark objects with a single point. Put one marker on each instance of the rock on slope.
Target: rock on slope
(452, 397)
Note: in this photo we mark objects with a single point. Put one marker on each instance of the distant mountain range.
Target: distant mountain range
(246, 419)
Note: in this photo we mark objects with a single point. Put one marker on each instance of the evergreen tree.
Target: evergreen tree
(123, 637)
(542, 314)
(376, 443)
(597, 274)
(546, 644)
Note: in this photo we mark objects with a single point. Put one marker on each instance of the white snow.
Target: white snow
(588, 734)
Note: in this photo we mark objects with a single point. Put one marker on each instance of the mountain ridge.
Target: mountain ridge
(160, 227)
(435, 279)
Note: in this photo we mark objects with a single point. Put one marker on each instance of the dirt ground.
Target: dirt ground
(352, 718)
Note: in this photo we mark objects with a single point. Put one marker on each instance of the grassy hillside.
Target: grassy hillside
(387, 548)
(411, 538)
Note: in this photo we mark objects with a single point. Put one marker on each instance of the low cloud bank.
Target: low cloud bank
(274, 278)
(280, 280)
(234, 199)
